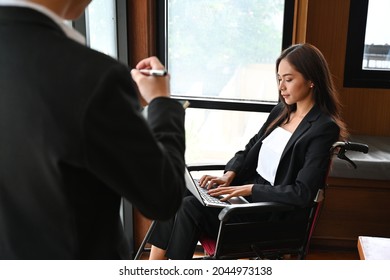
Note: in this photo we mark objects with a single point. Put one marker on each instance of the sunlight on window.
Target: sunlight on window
(226, 48)
(377, 40)
(101, 26)
(223, 49)
(213, 136)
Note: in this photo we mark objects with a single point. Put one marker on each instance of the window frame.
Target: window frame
(354, 74)
(217, 103)
(81, 25)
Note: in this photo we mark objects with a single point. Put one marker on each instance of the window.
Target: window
(101, 26)
(377, 38)
(221, 56)
(367, 59)
(224, 49)
(104, 26)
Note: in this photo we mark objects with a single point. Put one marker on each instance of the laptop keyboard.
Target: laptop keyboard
(209, 198)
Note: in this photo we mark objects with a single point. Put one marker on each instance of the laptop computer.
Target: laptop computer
(206, 199)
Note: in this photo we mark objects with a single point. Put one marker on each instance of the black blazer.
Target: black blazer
(304, 163)
(74, 142)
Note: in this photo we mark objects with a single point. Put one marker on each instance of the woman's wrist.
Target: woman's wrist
(229, 175)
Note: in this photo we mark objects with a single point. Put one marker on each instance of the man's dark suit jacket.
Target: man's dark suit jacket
(304, 163)
(73, 142)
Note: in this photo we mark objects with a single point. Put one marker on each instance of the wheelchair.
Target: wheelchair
(274, 238)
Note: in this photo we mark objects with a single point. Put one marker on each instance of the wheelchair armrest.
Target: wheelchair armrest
(256, 207)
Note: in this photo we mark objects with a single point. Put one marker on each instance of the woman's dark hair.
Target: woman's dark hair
(310, 62)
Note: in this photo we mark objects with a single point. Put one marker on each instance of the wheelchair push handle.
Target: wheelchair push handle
(343, 147)
(351, 146)
(358, 147)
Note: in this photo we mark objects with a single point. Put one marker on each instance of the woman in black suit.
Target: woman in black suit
(286, 161)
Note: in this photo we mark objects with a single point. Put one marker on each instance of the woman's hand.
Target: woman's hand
(223, 181)
(229, 192)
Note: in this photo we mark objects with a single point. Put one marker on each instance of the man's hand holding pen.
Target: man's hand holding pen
(152, 79)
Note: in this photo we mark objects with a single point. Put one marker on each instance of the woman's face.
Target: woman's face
(292, 85)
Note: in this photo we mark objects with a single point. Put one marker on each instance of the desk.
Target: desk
(374, 248)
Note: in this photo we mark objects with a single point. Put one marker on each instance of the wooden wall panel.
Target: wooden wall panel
(142, 44)
(300, 21)
(365, 110)
(353, 207)
(141, 29)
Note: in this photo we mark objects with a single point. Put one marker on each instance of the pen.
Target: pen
(186, 104)
(153, 72)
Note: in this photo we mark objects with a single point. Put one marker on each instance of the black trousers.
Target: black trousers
(179, 235)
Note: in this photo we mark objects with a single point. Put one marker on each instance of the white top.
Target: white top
(68, 30)
(271, 152)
